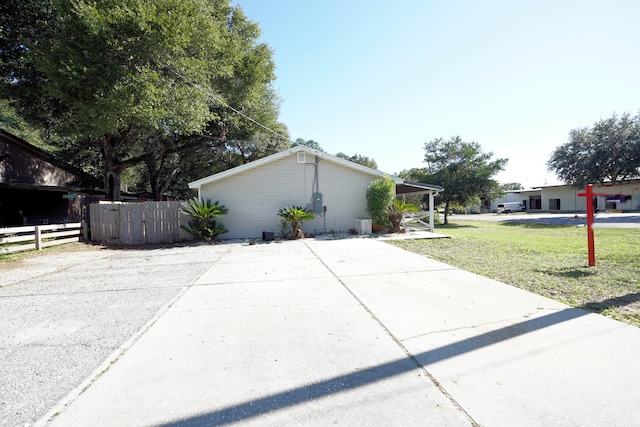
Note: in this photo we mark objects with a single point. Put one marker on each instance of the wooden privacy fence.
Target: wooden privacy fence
(137, 223)
(29, 237)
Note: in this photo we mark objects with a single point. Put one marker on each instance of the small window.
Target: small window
(302, 158)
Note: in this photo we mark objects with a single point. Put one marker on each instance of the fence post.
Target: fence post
(38, 238)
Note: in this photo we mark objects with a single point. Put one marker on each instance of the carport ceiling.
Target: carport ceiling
(409, 187)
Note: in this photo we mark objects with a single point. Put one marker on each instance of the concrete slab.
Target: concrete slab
(281, 353)
(265, 262)
(368, 257)
(360, 332)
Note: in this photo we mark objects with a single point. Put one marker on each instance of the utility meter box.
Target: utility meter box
(317, 203)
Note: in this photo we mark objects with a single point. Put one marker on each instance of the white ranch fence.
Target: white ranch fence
(121, 223)
(30, 237)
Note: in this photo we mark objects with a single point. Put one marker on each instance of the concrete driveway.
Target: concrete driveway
(356, 331)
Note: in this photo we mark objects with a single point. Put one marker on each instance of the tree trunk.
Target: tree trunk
(112, 184)
(446, 213)
(112, 168)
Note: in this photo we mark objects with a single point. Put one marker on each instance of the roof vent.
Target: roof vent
(301, 158)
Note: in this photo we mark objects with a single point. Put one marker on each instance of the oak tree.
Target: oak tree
(463, 169)
(607, 151)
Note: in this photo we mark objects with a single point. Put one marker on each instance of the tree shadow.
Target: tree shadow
(620, 301)
(534, 223)
(257, 407)
(453, 226)
(568, 272)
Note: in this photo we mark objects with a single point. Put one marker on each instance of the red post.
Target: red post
(590, 240)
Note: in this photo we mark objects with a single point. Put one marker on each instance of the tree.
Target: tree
(463, 170)
(361, 160)
(16, 125)
(607, 151)
(105, 72)
(511, 186)
(310, 143)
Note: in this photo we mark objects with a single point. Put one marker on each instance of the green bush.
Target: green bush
(202, 224)
(295, 215)
(380, 195)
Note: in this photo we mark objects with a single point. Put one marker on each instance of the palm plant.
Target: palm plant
(397, 211)
(203, 214)
(295, 215)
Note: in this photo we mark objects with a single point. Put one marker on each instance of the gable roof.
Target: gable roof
(408, 185)
(83, 179)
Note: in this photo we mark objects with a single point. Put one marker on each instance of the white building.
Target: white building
(333, 188)
(623, 196)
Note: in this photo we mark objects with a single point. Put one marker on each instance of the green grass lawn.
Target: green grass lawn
(548, 260)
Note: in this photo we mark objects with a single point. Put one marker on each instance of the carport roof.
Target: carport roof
(410, 187)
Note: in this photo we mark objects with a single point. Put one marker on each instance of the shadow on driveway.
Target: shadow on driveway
(257, 407)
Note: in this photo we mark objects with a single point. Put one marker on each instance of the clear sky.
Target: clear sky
(381, 78)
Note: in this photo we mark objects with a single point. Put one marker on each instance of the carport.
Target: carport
(404, 188)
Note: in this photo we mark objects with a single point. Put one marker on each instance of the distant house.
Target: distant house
(35, 188)
(332, 187)
(623, 196)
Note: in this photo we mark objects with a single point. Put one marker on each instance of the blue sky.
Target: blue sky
(381, 78)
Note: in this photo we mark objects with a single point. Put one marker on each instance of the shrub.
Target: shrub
(380, 195)
(202, 224)
(295, 215)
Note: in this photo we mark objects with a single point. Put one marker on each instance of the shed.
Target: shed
(37, 188)
(334, 188)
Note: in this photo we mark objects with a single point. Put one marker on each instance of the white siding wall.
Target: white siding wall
(255, 196)
(632, 189)
(569, 200)
(344, 194)
(514, 197)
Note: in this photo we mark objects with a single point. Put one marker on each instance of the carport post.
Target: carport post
(431, 211)
(590, 240)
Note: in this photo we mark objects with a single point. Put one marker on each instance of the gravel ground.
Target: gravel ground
(62, 315)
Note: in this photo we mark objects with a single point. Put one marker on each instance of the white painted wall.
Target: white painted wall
(514, 196)
(569, 199)
(629, 189)
(255, 196)
(571, 202)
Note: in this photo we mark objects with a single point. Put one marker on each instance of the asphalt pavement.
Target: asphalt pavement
(601, 219)
(63, 315)
(350, 332)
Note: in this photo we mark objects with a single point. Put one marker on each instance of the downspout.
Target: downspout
(316, 172)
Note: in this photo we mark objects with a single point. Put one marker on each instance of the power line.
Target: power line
(213, 97)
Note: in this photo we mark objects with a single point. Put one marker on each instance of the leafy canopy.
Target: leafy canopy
(379, 195)
(310, 143)
(607, 151)
(109, 74)
(462, 169)
(361, 160)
